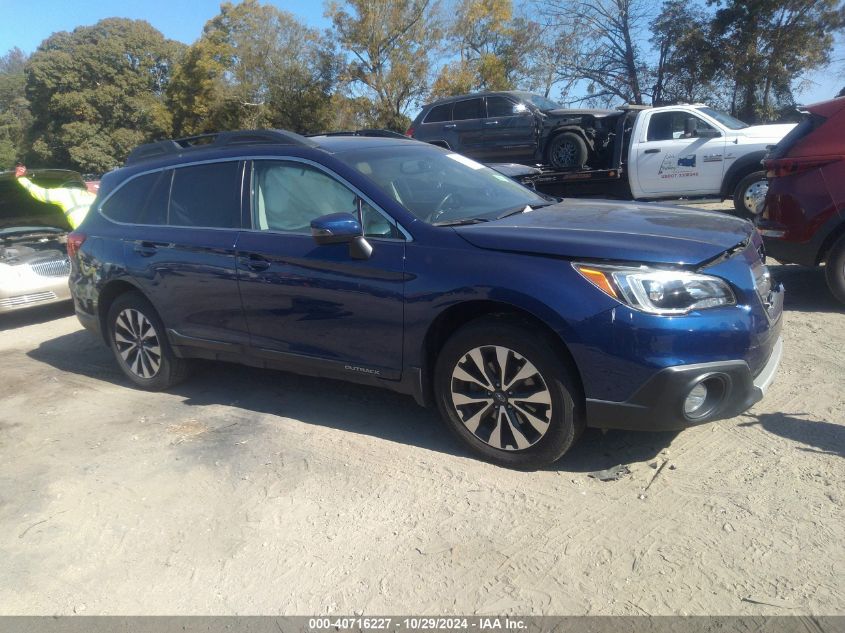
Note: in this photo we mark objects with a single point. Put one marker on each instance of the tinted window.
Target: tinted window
(439, 114)
(142, 200)
(469, 109)
(499, 106)
(665, 126)
(288, 196)
(206, 195)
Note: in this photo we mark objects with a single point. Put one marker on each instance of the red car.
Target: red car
(803, 219)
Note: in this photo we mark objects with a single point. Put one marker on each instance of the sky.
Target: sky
(27, 24)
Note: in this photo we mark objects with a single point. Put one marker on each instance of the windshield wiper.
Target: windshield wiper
(461, 222)
(523, 209)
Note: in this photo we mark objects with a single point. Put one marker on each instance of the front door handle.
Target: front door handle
(652, 151)
(491, 123)
(450, 126)
(255, 263)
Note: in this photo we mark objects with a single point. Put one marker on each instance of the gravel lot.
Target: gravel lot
(253, 492)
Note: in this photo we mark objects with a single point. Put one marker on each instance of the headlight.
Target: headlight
(658, 291)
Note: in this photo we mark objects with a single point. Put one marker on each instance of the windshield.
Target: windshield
(541, 101)
(439, 186)
(725, 119)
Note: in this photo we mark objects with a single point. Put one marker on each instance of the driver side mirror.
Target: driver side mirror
(341, 228)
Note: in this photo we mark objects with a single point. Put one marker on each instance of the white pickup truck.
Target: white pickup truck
(636, 152)
(683, 151)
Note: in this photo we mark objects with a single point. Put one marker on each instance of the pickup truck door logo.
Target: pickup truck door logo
(678, 166)
(712, 158)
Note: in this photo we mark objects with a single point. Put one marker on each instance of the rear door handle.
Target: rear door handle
(255, 262)
(491, 123)
(147, 249)
(450, 126)
(652, 151)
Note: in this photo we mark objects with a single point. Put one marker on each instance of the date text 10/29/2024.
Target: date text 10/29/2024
(416, 624)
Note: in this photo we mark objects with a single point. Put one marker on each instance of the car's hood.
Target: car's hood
(609, 230)
(775, 131)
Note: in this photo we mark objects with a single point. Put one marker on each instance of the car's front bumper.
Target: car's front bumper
(44, 290)
(659, 404)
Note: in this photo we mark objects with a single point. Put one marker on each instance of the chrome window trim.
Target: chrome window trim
(363, 196)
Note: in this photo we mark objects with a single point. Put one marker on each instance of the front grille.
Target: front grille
(52, 268)
(36, 297)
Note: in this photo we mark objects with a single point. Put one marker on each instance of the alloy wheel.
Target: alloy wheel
(566, 154)
(501, 398)
(137, 343)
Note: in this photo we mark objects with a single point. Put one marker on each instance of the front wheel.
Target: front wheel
(750, 194)
(504, 392)
(140, 345)
(834, 269)
(567, 151)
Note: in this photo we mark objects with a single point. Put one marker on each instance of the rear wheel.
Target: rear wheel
(834, 269)
(750, 194)
(567, 151)
(138, 340)
(504, 392)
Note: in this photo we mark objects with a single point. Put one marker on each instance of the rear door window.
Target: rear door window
(439, 114)
(467, 109)
(142, 200)
(206, 196)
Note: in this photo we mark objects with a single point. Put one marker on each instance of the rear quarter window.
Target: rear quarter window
(142, 200)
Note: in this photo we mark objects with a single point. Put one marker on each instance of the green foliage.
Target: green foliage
(96, 92)
(496, 48)
(14, 108)
(390, 43)
(766, 44)
(254, 66)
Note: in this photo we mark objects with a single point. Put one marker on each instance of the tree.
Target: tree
(96, 92)
(608, 56)
(14, 108)
(766, 44)
(688, 62)
(254, 66)
(390, 43)
(495, 48)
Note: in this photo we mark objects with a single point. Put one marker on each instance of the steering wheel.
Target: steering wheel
(444, 206)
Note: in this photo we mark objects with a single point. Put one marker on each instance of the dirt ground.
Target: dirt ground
(253, 492)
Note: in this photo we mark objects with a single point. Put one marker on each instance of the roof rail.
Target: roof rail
(178, 146)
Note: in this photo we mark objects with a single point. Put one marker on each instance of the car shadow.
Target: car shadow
(333, 404)
(806, 288)
(35, 315)
(818, 437)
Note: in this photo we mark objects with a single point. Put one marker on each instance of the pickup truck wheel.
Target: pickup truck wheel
(137, 337)
(834, 269)
(749, 195)
(567, 151)
(505, 393)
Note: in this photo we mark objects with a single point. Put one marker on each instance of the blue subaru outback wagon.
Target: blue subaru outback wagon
(395, 263)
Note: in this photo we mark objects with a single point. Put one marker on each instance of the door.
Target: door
(464, 133)
(317, 302)
(181, 248)
(681, 154)
(509, 131)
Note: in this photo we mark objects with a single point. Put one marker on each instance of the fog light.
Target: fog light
(695, 400)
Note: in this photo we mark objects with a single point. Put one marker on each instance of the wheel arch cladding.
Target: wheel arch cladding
(110, 292)
(458, 315)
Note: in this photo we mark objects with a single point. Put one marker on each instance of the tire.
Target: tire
(132, 319)
(567, 151)
(517, 433)
(834, 269)
(749, 195)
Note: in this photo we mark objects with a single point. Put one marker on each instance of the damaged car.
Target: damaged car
(34, 266)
